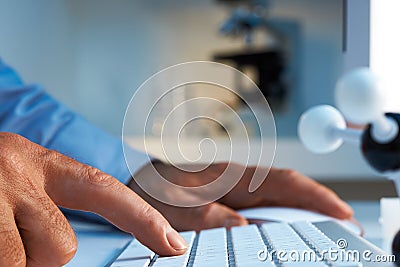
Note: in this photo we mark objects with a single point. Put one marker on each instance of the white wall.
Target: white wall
(37, 38)
(93, 54)
(135, 40)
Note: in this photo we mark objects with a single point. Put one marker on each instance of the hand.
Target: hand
(34, 180)
(281, 188)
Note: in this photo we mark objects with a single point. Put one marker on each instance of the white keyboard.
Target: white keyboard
(253, 246)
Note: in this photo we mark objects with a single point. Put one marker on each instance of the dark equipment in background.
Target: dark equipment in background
(269, 66)
(269, 62)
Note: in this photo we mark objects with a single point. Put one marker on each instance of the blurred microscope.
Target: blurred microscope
(268, 52)
(269, 56)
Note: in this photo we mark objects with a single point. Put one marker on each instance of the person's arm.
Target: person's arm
(31, 112)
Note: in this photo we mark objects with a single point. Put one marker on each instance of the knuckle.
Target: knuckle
(289, 173)
(286, 176)
(10, 142)
(9, 137)
(46, 158)
(50, 155)
(16, 178)
(96, 177)
(8, 154)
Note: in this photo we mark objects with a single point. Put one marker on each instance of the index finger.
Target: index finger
(74, 185)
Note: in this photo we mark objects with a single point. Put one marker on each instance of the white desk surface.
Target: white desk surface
(367, 213)
(103, 245)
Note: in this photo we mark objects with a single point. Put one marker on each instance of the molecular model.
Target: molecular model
(322, 129)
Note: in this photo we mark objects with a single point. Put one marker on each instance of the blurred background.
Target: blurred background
(93, 55)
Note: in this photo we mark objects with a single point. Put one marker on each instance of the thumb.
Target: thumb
(219, 215)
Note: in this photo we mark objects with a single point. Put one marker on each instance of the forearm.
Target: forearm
(29, 111)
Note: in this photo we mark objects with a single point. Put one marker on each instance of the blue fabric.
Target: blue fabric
(31, 112)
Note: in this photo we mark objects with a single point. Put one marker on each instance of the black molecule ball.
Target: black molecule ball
(396, 248)
(382, 157)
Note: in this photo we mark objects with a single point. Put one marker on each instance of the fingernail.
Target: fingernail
(232, 222)
(176, 240)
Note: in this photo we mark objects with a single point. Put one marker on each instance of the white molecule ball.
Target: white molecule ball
(316, 129)
(359, 96)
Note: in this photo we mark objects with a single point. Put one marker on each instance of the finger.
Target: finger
(219, 215)
(12, 251)
(78, 186)
(330, 203)
(194, 218)
(295, 189)
(209, 216)
(42, 225)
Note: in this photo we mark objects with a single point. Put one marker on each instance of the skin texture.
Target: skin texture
(35, 180)
(282, 187)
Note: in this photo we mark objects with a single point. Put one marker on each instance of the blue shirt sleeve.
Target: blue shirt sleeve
(31, 112)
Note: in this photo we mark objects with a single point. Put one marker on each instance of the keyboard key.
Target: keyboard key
(132, 263)
(314, 236)
(135, 250)
(181, 260)
(246, 242)
(282, 237)
(211, 248)
(322, 243)
(240, 246)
